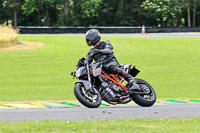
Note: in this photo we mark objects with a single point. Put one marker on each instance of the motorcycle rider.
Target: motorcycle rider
(102, 51)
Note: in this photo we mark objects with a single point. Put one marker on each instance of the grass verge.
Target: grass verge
(170, 65)
(105, 126)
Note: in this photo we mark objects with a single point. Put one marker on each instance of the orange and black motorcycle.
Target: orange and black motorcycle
(95, 85)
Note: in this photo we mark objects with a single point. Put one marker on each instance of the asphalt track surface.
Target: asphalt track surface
(102, 113)
(126, 35)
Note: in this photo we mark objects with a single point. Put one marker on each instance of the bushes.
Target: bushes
(8, 36)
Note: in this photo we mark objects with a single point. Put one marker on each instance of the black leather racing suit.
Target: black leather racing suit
(107, 57)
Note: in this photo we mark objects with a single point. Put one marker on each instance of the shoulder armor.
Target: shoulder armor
(107, 42)
(108, 45)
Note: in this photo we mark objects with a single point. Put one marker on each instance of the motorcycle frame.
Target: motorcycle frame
(113, 78)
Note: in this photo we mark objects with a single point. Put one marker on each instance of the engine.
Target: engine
(110, 92)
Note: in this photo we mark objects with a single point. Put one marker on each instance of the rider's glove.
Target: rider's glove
(86, 61)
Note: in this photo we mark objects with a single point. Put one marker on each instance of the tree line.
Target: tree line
(155, 13)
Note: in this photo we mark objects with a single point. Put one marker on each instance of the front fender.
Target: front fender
(86, 83)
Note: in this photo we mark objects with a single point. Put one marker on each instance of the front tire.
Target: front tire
(88, 99)
(144, 100)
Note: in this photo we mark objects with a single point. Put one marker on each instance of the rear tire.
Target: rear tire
(80, 93)
(144, 100)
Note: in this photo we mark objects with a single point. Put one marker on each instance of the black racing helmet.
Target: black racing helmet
(92, 37)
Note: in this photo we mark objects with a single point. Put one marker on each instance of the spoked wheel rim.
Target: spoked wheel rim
(150, 93)
(89, 96)
(90, 99)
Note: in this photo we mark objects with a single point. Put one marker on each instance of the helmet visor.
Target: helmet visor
(88, 42)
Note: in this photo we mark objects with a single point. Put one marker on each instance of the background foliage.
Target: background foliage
(157, 13)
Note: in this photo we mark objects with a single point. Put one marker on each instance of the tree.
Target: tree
(196, 4)
(10, 9)
(14, 5)
(100, 12)
(66, 7)
(46, 10)
(186, 4)
(107, 12)
(191, 8)
(121, 13)
(85, 12)
(3, 15)
(129, 13)
(165, 12)
(29, 7)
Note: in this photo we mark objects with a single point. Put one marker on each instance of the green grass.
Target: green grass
(104, 126)
(170, 65)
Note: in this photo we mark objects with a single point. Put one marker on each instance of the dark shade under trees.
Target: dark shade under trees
(155, 13)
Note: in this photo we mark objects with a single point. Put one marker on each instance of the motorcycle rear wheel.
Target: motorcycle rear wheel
(144, 100)
(85, 97)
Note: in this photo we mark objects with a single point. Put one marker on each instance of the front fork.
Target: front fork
(89, 78)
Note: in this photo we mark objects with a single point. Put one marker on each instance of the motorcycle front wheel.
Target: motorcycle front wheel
(144, 100)
(86, 97)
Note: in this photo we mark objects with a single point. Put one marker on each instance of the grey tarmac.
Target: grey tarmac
(102, 113)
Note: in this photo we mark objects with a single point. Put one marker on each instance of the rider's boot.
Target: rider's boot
(129, 79)
(131, 83)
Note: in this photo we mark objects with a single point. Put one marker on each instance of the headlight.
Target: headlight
(78, 73)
